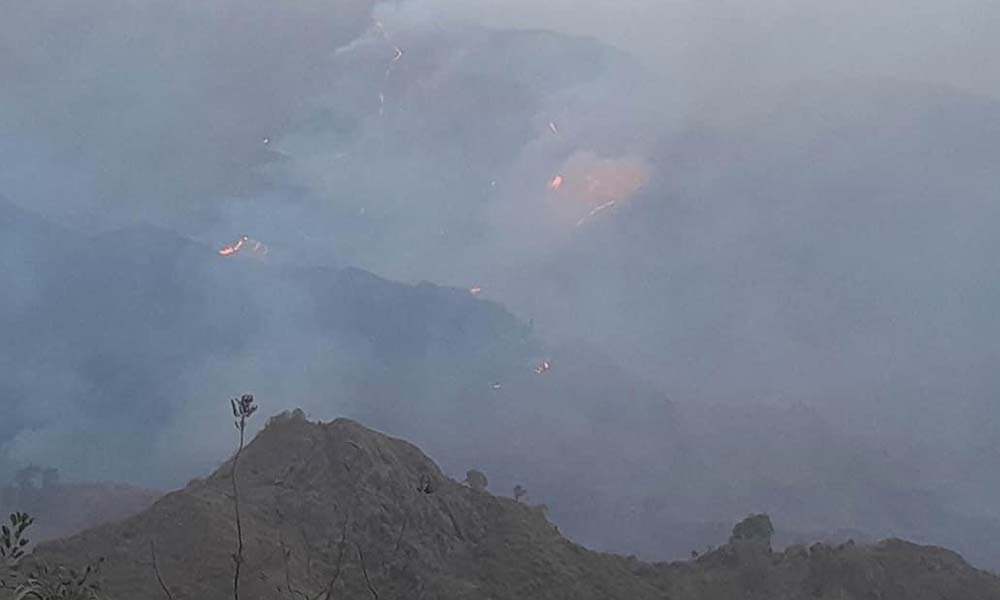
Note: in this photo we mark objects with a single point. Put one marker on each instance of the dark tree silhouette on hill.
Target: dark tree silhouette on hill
(754, 529)
(519, 492)
(476, 480)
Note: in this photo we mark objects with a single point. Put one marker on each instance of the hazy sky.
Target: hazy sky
(763, 204)
(727, 44)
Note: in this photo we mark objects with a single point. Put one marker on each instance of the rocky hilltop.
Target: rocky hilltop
(336, 510)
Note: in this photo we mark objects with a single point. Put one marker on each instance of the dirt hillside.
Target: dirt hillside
(335, 507)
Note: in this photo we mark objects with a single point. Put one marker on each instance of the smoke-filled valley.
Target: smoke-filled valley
(661, 283)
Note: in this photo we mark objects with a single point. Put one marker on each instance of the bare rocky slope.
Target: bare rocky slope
(337, 507)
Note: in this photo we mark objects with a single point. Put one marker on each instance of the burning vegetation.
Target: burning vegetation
(245, 243)
(589, 185)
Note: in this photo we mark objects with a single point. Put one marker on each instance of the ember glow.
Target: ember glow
(556, 183)
(234, 248)
(244, 243)
(590, 185)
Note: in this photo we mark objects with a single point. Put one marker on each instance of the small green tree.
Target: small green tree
(60, 583)
(12, 540)
(12, 544)
(519, 492)
(476, 480)
(755, 529)
(42, 582)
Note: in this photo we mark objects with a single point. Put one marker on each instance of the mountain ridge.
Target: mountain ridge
(336, 506)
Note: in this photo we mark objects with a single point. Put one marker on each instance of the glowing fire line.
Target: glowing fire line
(240, 244)
(596, 210)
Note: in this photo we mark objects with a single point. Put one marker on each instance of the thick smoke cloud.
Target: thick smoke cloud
(150, 110)
(709, 48)
(761, 206)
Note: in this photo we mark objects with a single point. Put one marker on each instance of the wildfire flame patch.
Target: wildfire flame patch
(245, 242)
(590, 186)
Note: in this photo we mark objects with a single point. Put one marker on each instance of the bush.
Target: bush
(41, 582)
(519, 492)
(754, 528)
(476, 480)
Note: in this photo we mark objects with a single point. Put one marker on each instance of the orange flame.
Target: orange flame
(591, 185)
(240, 244)
(233, 248)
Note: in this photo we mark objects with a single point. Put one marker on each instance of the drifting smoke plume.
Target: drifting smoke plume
(594, 184)
(753, 205)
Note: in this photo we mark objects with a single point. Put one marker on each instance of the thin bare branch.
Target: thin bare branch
(238, 557)
(156, 569)
(242, 409)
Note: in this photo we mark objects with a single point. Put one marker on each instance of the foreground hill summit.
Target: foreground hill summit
(335, 510)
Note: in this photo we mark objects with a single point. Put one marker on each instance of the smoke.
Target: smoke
(761, 205)
(155, 108)
(711, 49)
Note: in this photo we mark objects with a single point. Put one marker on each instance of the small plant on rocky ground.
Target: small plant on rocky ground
(519, 492)
(12, 543)
(41, 582)
(60, 583)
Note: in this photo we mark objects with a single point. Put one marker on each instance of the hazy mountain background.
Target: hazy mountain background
(337, 507)
(766, 282)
